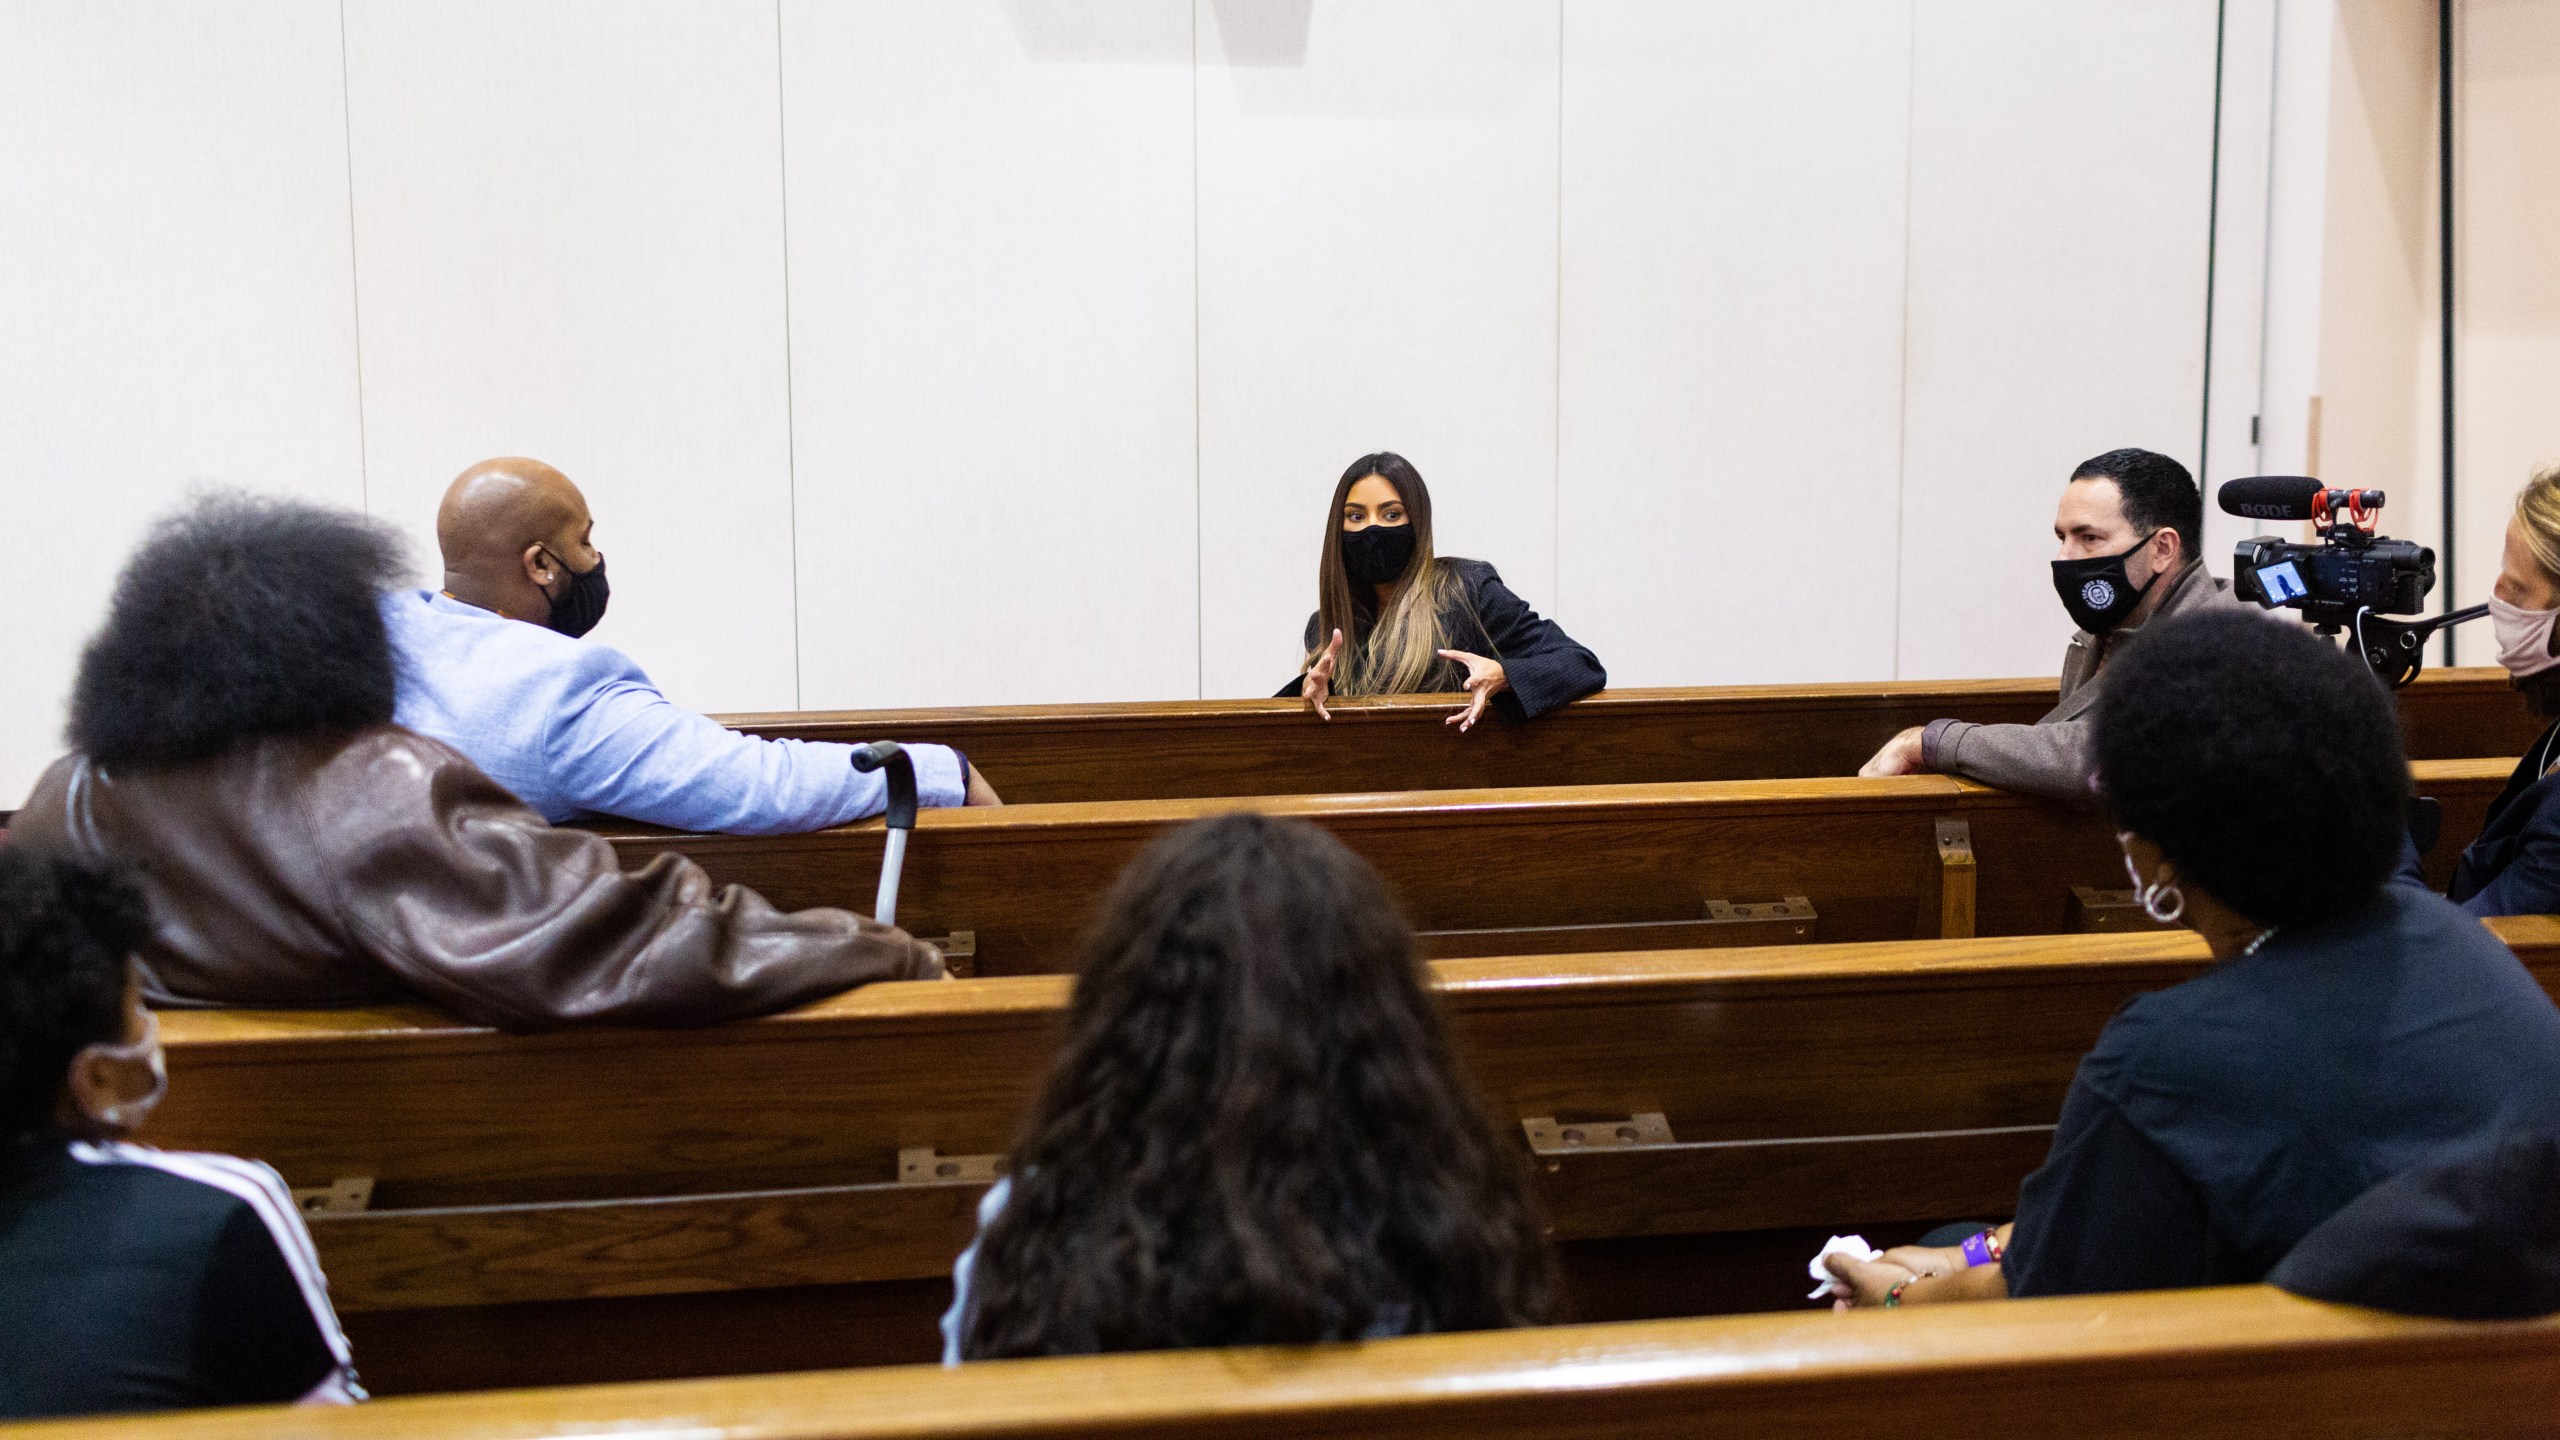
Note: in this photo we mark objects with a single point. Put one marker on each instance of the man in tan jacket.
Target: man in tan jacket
(2129, 526)
(234, 747)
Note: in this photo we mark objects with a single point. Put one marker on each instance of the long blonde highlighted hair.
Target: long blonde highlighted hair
(2538, 507)
(1396, 653)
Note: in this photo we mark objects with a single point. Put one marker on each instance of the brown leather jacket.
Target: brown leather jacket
(344, 869)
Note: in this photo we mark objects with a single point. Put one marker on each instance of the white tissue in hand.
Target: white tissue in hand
(1831, 1286)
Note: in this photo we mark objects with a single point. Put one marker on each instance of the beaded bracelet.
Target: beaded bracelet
(1893, 1297)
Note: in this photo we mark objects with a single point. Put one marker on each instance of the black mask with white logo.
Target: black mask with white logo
(576, 610)
(2097, 591)
(1377, 554)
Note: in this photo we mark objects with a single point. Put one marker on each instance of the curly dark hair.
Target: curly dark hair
(67, 929)
(2265, 764)
(239, 617)
(1255, 1131)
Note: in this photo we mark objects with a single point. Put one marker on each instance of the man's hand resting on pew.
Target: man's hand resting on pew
(1900, 756)
(1919, 1275)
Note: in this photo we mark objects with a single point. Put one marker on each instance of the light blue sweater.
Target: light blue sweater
(575, 728)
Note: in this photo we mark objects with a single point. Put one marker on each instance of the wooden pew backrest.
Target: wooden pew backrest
(1170, 749)
(1796, 1086)
(1022, 880)
(2247, 1361)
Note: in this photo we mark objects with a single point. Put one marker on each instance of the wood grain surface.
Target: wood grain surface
(1046, 754)
(1803, 1085)
(2243, 1361)
(1025, 878)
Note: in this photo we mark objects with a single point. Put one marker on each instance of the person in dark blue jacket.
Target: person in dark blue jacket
(2513, 868)
(2351, 1029)
(1393, 617)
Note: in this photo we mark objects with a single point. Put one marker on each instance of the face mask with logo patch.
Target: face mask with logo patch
(2097, 591)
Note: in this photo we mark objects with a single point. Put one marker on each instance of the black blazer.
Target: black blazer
(1546, 667)
(2514, 867)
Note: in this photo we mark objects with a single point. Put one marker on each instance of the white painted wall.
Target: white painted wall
(176, 301)
(929, 352)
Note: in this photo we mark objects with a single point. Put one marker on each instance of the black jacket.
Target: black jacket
(2474, 1239)
(1546, 667)
(2514, 867)
(2219, 1122)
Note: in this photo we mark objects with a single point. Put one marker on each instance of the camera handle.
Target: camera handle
(2395, 650)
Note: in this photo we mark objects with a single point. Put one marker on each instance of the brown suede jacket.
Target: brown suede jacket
(354, 868)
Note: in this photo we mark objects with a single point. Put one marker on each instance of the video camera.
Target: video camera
(2349, 580)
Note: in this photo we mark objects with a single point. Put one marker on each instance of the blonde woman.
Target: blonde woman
(2514, 867)
(1394, 618)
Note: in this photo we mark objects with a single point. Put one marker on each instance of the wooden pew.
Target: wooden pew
(1174, 749)
(1580, 868)
(2245, 1361)
(621, 1204)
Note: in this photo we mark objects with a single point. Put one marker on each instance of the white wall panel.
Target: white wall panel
(2508, 290)
(175, 301)
(2060, 180)
(992, 350)
(1732, 359)
(1377, 271)
(569, 245)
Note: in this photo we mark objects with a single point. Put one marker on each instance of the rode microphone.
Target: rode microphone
(2291, 497)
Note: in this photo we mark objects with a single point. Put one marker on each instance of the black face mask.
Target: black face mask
(1378, 554)
(2097, 591)
(576, 610)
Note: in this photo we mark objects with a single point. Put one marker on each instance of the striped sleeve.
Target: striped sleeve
(263, 1194)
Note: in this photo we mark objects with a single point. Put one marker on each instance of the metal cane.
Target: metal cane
(900, 815)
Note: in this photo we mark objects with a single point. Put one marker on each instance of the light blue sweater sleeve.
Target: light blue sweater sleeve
(575, 728)
(622, 748)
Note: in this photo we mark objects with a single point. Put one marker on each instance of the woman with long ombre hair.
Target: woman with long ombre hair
(1254, 1132)
(1393, 617)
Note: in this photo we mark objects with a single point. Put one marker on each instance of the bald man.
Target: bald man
(493, 665)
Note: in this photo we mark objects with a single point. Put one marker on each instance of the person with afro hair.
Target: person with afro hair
(234, 741)
(2354, 1025)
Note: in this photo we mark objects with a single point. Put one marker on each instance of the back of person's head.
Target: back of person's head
(67, 931)
(239, 617)
(2158, 493)
(2264, 763)
(1254, 1131)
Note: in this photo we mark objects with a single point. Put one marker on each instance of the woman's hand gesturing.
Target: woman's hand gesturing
(1484, 681)
(1318, 686)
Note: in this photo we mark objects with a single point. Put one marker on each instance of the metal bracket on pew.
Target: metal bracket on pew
(1952, 918)
(346, 1195)
(2093, 910)
(923, 1167)
(959, 952)
(1547, 1138)
(1788, 919)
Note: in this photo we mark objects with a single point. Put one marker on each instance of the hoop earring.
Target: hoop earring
(2164, 911)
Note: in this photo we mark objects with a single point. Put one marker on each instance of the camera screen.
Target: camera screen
(2281, 583)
